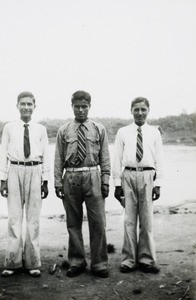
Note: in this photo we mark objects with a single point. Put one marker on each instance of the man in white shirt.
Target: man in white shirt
(138, 174)
(24, 174)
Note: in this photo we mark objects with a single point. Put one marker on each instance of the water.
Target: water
(179, 183)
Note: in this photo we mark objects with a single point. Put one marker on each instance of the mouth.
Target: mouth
(26, 111)
(80, 115)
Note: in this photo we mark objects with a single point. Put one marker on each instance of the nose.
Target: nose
(80, 109)
(140, 112)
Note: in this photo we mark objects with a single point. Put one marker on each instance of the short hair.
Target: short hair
(81, 95)
(138, 100)
(25, 94)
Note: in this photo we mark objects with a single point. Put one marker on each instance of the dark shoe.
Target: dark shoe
(149, 268)
(75, 271)
(126, 269)
(101, 273)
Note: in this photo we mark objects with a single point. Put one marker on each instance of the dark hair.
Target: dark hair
(138, 100)
(81, 95)
(25, 94)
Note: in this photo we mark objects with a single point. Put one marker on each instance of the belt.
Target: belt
(139, 168)
(26, 163)
(83, 169)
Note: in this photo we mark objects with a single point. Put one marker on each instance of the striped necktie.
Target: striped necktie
(27, 148)
(81, 151)
(139, 147)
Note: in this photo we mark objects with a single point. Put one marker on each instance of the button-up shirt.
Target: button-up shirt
(97, 152)
(12, 146)
(125, 151)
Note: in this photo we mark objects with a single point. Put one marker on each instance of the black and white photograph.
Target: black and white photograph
(98, 149)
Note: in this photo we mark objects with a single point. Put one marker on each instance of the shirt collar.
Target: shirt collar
(136, 126)
(77, 124)
(21, 122)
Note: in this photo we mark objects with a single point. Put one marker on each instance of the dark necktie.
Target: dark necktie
(27, 149)
(139, 147)
(81, 151)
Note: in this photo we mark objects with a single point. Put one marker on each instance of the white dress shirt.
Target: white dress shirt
(12, 146)
(125, 151)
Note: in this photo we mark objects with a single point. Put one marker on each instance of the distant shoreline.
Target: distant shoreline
(167, 143)
(187, 207)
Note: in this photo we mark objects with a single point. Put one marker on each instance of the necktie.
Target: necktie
(27, 149)
(139, 147)
(81, 151)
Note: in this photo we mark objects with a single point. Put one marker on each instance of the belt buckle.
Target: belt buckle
(31, 163)
(139, 169)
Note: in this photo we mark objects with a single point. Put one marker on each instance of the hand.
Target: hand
(155, 193)
(59, 192)
(119, 195)
(105, 190)
(44, 190)
(4, 188)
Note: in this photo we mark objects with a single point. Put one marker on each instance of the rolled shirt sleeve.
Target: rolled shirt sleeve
(59, 159)
(159, 160)
(104, 156)
(118, 156)
(45, 158)
(3, 153)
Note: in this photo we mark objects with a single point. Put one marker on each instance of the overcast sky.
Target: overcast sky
(114, 49)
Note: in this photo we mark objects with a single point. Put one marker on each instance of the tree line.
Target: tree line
(175, 129)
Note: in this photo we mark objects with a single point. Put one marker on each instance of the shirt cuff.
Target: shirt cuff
(105, 178)
(158, 182)
(117, 182)
(58, 183)
(3, 175)
(46, 176)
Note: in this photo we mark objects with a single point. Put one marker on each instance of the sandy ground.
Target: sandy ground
(175, 236)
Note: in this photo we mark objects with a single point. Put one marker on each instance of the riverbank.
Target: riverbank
(175, 236)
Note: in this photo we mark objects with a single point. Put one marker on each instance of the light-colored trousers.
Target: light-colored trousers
(24, 189)
(80, 187)
(138, 247)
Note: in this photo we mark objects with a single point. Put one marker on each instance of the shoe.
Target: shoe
(7, 272)
(75, 271)
(101, 273)
(149, 268)
(126, 269)
(35, 273)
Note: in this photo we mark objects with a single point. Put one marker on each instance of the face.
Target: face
(26, 107)
(81, 109)
(140, 112)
